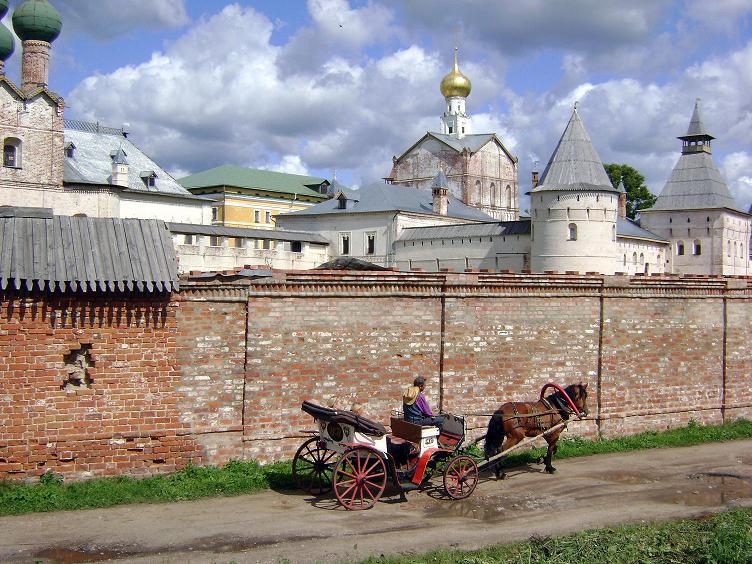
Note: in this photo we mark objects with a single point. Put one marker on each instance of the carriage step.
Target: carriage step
(408, 486)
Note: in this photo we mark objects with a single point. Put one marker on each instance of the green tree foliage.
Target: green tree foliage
(638, 195)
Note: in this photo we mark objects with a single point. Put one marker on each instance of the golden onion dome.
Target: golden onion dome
(455, 83)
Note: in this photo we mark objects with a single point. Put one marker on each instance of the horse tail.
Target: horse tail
(495, 434)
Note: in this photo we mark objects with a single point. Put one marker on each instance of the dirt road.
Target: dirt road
(273, 527)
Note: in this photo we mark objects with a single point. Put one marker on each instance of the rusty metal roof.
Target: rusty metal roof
(61, 253)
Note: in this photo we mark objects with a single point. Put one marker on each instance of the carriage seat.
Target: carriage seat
(361, 424)
(411, 431)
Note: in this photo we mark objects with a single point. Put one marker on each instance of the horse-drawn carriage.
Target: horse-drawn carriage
(356, 457)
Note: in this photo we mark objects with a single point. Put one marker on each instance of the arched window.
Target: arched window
(492, 195)
(680, 248)
(613, 232)
(697, 247)
(12, 152)
(572, 236)
(642, 258)
(647, 268)
(735, 247)
(634, 258)
(625, 259)
(508, 195)
(476, 196)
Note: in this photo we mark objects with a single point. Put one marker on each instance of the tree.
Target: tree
(638, 195)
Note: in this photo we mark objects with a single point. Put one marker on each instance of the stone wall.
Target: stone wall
(219, 371)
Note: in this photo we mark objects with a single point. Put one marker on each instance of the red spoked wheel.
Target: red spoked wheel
(359, 478)
(313, 467)
(460, 477)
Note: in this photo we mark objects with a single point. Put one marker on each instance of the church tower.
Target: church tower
(455, 87)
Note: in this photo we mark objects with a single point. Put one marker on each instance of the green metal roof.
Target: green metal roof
(266, 180)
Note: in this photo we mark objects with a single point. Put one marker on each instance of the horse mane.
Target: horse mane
(558, 400)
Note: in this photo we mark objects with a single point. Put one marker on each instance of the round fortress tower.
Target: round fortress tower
(574, 208)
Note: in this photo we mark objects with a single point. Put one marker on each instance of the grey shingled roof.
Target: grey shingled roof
(92, 160)
(575, 164)
(490, 229)
(625, 227)
(270, 234)
(61, 253)
(695, 183)
(387, 198)
(696, 125)
(440, 181)
(473, 142)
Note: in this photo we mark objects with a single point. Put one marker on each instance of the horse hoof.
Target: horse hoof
(551, 470)
(501, 476)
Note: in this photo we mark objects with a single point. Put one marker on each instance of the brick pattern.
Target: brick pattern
(219, 372)
(127, 422)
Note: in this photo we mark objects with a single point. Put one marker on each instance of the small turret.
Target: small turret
(37, 24)
(622, 198)
(440, 189)
(119, 169)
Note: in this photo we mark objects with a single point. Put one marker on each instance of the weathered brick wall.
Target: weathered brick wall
(121, 418)
(219, 371)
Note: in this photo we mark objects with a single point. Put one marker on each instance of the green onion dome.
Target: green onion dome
(37, 20)
(3, 8)
(6, 42)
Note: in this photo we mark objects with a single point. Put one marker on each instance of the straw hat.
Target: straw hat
(410, 395)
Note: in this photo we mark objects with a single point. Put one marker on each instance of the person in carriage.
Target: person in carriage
(415, 405)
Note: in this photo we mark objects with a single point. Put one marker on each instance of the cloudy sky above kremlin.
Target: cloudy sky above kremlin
(307, 86)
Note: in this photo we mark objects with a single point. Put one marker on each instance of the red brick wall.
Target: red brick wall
(219, 372)
(127, 422)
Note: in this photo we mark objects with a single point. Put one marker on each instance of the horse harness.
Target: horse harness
(537, 418)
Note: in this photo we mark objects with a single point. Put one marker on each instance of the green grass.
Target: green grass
(235, 478)
(722, 538)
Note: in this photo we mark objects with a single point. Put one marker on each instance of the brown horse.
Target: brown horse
(517, 420)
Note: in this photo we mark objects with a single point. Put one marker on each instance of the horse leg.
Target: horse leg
(512, 439)
(551, 439)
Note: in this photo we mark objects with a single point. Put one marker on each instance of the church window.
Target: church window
(625, 259)
(70, 150)
(634, 258)
(12, 153)
(647, 268)
(613, 232)
(508, 194)
(642, 258)
(728, 248)
(450, 129)
(463, 130)
(344, 244)
(296, 246)
(670, 220)
(688, 220)
(215, 214)
(492, 194)
(572, 232)
(578, 197)
(257, 216)
(680, 248)
(697, 247)
(735, 247)
(707, 218)
(149, 178)
(370, 243)
(268, 217)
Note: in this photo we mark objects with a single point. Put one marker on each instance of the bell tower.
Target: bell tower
(455, 87)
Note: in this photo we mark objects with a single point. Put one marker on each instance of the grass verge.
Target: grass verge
(724, 537)
(235, 478)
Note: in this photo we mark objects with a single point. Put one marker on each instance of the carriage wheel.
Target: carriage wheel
(460, 477)
(359, 478)
(312, 467)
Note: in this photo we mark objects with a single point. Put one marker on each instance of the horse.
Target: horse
(517, 420)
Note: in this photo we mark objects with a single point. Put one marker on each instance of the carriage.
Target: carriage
(357, 458)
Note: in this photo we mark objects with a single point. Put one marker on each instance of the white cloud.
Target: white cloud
(720, 15)
(106, 19)
(291, 164)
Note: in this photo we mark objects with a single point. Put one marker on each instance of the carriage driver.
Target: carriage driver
(415, 406)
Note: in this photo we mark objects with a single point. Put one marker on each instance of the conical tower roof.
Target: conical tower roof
(575, 164)
(440, 181)
(695, 182)
(696, 126)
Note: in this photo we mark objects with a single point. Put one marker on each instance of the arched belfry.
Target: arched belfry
(455, 87)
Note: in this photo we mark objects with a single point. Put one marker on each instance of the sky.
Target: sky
(312, 86)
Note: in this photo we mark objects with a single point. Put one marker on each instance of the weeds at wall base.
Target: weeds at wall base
(237, 477)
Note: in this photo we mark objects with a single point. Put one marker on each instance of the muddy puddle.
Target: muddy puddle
(625, 478)
(707, 490)
(492, 509)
